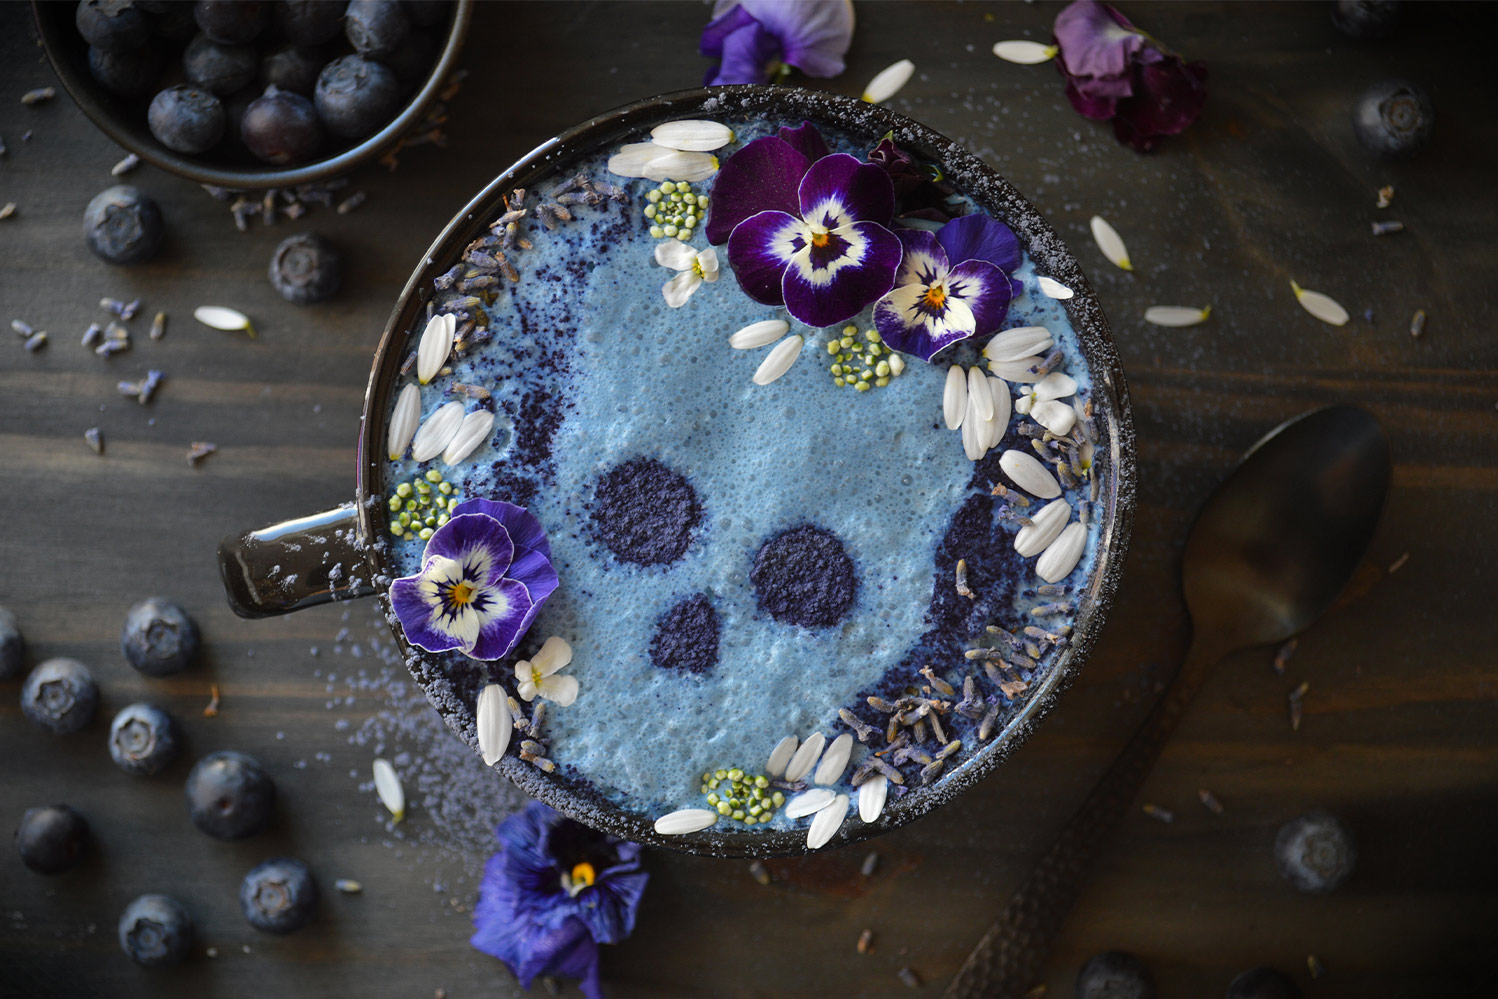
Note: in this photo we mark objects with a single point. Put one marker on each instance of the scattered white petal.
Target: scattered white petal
(889, 81)
(677, 290)
(1323, 307)
(781, 755)
(685, 820)
(977, 392)
(1176, 315)
(759, 334)
(809, 802)
(494, 723)
(1052, 288)
(1045, 526)
(954, 397)
(1018, 344)
(1058, 560)
(805, 758)
(1025, 53)
(692, 135)
(779, 360)
(675, 254)
(834, 761)
(871, 795)
(1002, 407)
(1057, 417)
(472, 432)
(1056, 385)
(631, 160)
(436, 344)
(1026, 471)
(672, 164)
(1111, 243)
(1026, 400)
(827, 822)
(219, 318)
(896, 364)
(403, 421)
(973, 431)
(1022, 370)
(388, 787)
(437, 432)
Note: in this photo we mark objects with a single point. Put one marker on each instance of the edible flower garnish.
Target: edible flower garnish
(920, 191)
(888, 81)
(695, 267)
(484, 576)
(553, 892)
(536, 677)
(756, 41)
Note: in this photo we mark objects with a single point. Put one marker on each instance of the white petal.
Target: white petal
(809, 802)
(973, 432)
(388, 787)
(1052, 288)
(834, 761)
(494, 723)
(707, 262)
(671, 164)
(436, 344)
(680, 288)
(871, 795)
(1176, 315)
(1022, 370)
(631, 160)
(1018, 343)
(560, 690)
(1057, 417)
(779, 360)
(437, 432)
(889, 81)
(1046, 525)
(1323, 307)
(1025, 53)
(759, 334)
(553, 655)
(472, 432)
(896, 364)
(685, 820)
(525, 684)
(1111, 243)
(675, 254)
(1056, 385)
(1057, 561)
(999, 425)
(219, 318)
(781, 755)
(1026, 471)
(693, 135)
(805, 757)
(954, 397)
(403, 421)
(827, 822)
(978, 395)
(1026, 400)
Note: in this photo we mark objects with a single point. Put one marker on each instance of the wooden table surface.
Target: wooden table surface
(1400, 733)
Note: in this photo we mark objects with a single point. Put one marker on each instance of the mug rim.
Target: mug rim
(976, 179)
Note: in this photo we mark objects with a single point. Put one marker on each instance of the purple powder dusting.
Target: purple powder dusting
(645, 512)
(686, 636)
(804, 576)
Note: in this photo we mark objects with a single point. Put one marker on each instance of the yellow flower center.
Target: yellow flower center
(936, 297)
(820, 237)
(583, 874)
(462, 594)
(537, 676)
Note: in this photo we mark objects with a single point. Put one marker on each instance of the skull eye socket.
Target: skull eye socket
(804, 576)
(686, 636)
(645, 512)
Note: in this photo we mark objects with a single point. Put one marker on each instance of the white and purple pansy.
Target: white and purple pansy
(953, 284)
(484, 576)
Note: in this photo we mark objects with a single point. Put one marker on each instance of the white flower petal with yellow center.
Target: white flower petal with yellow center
(1025, 53)
(889, 81)
(537, 678)
(695, 267)
(692, 135)
(658, 162)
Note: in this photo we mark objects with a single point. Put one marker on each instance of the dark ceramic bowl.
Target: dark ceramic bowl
(332, 560)
(124, 120)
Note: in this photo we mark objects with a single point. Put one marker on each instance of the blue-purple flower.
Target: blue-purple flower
(755, 41)
(484, 576)
(555, 891)
(953, 284)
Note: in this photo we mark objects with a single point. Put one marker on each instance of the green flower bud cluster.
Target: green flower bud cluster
(740, 796)
(674, 210)
(863, 360)
(419, 507)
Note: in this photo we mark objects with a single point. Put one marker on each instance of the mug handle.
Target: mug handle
(295, 564)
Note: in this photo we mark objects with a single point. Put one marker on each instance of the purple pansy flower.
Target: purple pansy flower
(1115, 71)
(919, 191)
(754, 40)
(935, 303)
(555, 891)
(484, 576)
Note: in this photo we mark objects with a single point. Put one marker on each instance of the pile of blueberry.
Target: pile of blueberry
(283, 82)
(229, 794)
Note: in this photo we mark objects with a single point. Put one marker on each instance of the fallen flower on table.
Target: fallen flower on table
(756, 41)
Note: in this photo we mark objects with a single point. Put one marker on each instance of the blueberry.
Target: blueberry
(413, 60)
(158, 637)
(229, 795)
(355, 96)
(375, 28)
(156, 931)
(222, 69)
(143, 739)
(1114, 974)
(123, 226)
(1366, 18)
(1316, 852)
(170, 19)
(187, 119)
(293, 68)
(1263, 983)
(132, 73)
(305, 269)
(278, 895)
(60, 696)
(281, 127)
(1394, 118)
(309, 22)
(115, 25)
(12, 646)
(230, 22)
(51, 840)
(425, 13)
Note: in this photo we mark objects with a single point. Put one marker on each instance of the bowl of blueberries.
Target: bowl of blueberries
(250, 93)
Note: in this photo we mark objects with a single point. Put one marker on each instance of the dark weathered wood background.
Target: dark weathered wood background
(1401, 719)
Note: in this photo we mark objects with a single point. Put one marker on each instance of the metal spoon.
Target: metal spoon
(1268, 554)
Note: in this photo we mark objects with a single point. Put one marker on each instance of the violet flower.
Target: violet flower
(555, 891)
(1115, 71)
(756, 40)
(484, 576)
(920, 193)
(935, 302)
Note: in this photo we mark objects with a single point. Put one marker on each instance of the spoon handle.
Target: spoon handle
(1012, 954)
